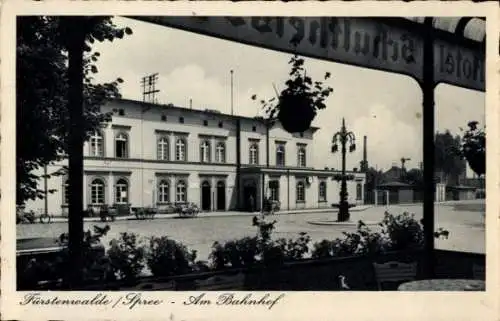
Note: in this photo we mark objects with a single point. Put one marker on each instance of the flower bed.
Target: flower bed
(129, 255)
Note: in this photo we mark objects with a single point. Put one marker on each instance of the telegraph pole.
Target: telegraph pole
(232, 96)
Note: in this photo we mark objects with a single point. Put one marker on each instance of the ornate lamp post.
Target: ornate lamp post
(343, 137)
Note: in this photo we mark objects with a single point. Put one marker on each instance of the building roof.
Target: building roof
(396, 185)
(211, 112)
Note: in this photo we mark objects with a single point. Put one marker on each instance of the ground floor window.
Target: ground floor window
(322, 191)
(301, 193)
(274, 190)
(163, 192)
(180, 193)
(121, 191)
(97, 191)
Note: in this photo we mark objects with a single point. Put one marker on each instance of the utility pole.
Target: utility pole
(232, 95)
(149, 92)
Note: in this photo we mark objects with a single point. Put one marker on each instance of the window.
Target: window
(66, 192)
(163, 118)
(280, 155)
(254, 154)
(121, 145)
(322, 191)
(180, 150)
(97, 144)
(97, 191)
(254, 128)
(181, 120)
(121, 112)
(220, 153)
(180, 192)
(274, 190)
(121, 191)
(301, 135)
(205, 123)
(162, 150)
(163, 192)
(205, 151)
(301, 195)
(301, 155)
(220, 124)
(359, 192)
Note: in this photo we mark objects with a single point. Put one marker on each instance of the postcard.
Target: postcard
(213, 160)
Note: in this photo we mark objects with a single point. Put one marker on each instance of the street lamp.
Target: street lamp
(343, 137)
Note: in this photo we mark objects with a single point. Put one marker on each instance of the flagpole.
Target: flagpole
(232, 72)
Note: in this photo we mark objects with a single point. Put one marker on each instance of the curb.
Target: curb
(335, 223)
(222, 214)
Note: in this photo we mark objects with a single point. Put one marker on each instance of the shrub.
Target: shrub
(322, 249)
(403, 231)
(398, 233)
(294, 249)
(55, 267)
(235, 253)
(167, 257)
(126, 256)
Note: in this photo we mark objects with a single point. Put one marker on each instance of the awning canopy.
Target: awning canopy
(471, 28)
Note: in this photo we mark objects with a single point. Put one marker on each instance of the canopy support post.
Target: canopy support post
(428, 87)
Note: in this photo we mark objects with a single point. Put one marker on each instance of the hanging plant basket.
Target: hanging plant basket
(296, 105)
(296, 113)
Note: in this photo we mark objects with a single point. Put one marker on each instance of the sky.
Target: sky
(385, 107)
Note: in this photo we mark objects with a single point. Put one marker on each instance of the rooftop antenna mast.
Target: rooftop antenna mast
(149, 90)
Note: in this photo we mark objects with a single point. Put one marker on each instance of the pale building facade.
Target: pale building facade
(152, 154)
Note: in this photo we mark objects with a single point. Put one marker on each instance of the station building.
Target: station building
(152, 154)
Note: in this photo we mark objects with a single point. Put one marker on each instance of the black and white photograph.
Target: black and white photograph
(250, 154)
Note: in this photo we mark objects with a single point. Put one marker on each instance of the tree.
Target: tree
(448, 159)
(474, 148)
(41, 93)
(415, 177)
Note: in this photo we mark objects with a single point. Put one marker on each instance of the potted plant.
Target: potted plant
(474, 148)
(297, 104)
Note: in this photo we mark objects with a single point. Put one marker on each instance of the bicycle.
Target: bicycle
(44, 218)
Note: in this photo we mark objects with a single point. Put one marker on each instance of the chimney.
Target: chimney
(364, 150)
(364, 163)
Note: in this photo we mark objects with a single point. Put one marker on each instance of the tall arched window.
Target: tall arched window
(301, 192)
(220, 153)
(205, 151)
(97, 191)
(280, 155)
(163, 192)
(66, 192)
(97, 144)
(254, 154)
(121, 191)
(163, 150)
(180, 149)
(121, 145)
(322, 191)
(301, 155)
(180, 192)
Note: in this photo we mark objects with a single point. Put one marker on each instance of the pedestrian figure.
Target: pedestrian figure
(252, 203)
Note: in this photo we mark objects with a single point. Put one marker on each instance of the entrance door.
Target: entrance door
(221, 196)
(205, 196)
(250, 198)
